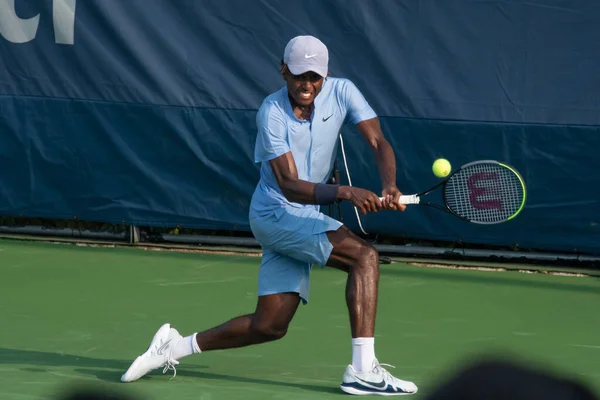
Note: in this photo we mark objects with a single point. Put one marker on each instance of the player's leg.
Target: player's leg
(282, 283)
(269, 322)
(360, 260)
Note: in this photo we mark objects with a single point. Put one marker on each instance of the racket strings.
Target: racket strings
(484, 193)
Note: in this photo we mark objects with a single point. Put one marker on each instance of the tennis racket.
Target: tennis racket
(482, 192)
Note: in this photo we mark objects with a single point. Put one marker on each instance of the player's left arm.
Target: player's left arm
(367, 122)
(371, 131)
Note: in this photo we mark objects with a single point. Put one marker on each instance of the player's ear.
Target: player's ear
(283, 69)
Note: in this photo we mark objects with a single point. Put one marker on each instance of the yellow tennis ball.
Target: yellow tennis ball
(441, 167)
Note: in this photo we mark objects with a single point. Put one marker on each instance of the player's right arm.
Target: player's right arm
(272, 146)
(304, 192)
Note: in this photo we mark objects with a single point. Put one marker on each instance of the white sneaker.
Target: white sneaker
(158, 355)
(377, 381)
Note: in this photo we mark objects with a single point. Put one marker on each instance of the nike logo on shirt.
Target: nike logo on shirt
(325, 119)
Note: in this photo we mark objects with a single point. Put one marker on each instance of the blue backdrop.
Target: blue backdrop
(143, 111)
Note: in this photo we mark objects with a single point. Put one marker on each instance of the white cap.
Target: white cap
(306, 53)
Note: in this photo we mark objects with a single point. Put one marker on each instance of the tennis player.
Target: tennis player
(296, 146)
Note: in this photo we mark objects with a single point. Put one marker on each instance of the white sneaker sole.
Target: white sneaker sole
(358, 392)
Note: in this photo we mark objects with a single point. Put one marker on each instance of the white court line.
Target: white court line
(585, 346)
(203, 281)
(524, 333)
(210, 264)
(22, 395)
(88, 350)
(87, 378)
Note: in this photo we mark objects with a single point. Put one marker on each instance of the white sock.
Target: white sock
(363, 353)
(185, 347)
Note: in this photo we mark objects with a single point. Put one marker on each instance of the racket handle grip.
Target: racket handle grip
(408, 199)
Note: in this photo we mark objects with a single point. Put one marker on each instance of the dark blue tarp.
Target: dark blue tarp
(147, 117)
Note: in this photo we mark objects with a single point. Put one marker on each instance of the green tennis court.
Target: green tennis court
(79, 315)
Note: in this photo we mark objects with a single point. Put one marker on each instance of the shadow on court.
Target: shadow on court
(491, 278)
(40, 358)
(111, 370)
(187, 372)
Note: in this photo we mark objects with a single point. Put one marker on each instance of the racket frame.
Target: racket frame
(417, 198)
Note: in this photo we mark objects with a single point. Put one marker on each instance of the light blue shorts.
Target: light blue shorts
(293, 239)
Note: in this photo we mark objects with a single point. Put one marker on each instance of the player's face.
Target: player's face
(303, 88)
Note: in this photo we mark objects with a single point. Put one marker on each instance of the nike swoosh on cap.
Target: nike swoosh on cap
(311, 56)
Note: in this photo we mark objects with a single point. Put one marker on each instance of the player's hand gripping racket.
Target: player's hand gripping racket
(482, 192)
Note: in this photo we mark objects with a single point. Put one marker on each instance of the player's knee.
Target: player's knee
(368, 259)
(268, 332)
(369, 256)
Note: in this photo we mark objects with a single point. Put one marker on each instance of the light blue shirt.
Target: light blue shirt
(313, 143)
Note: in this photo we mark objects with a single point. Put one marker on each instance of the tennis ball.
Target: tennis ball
(441, 167)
